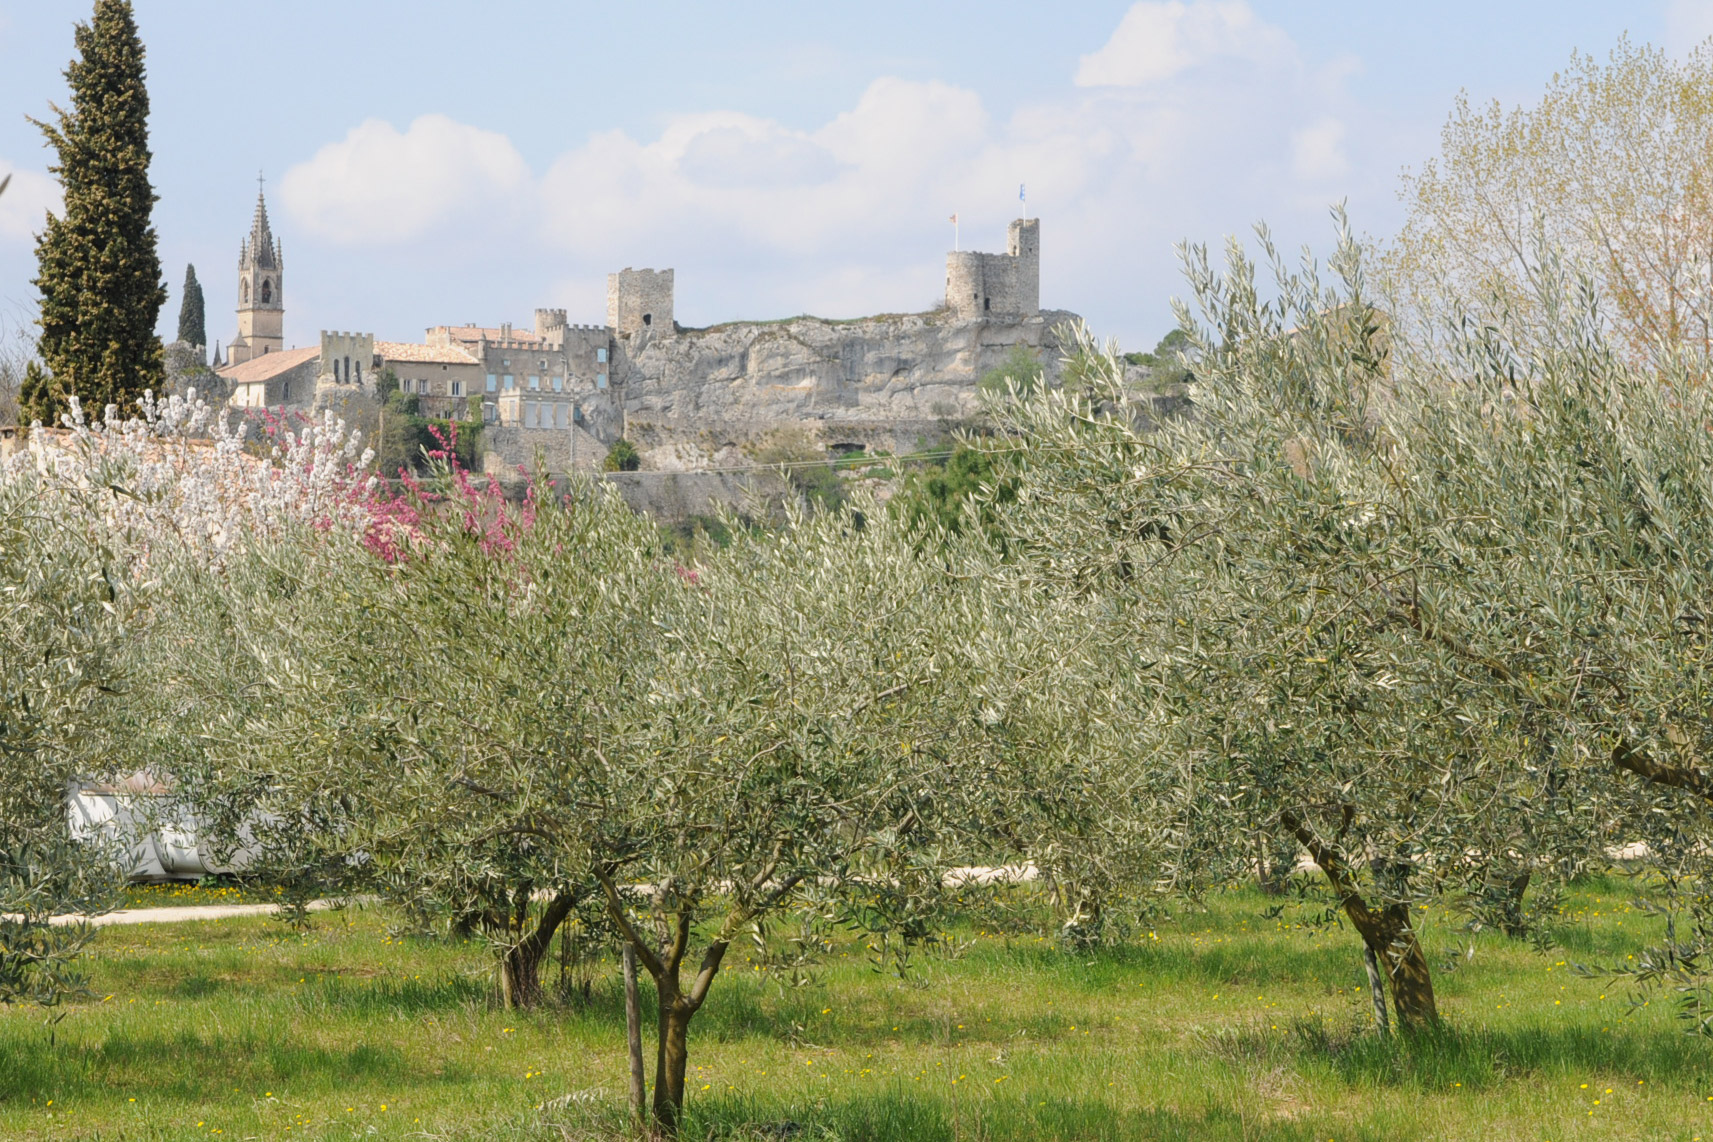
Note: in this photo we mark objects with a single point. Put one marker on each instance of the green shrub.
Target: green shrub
(622, 457)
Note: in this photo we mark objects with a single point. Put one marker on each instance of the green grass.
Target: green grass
(1221, 1025)
(188, 893)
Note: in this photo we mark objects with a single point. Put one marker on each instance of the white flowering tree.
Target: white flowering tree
(88, 514)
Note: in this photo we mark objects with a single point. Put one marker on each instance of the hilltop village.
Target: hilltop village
(688, 399)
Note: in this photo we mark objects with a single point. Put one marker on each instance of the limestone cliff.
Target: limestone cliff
(698, 397)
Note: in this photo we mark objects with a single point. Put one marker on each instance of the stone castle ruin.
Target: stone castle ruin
(982, 286)
(689, 399)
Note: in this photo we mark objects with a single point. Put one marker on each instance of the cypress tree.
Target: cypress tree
(192, 317)
(100, 277)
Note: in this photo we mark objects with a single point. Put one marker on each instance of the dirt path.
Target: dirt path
(182, 913)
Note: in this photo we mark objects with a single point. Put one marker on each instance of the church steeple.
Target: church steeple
(261, 290)
(260, 246)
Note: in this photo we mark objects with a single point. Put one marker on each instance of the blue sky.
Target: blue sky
(432, 161)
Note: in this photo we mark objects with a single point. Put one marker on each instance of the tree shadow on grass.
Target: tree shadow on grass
(1477, 1059)
(907, 1116)
(190, 1067)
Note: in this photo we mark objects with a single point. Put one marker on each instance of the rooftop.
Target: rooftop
(268, 365)
(406, 351)
(474, 333)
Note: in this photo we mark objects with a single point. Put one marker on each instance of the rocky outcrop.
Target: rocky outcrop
(700, 397)
(672, 496)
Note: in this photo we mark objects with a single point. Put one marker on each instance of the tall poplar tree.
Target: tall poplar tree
(192, 315)
(100, 277)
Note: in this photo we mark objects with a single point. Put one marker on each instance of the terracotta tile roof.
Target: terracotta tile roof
(269, 365)
(424, 354)
(483, 332)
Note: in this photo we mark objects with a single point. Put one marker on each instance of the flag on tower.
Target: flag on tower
(1022, 195)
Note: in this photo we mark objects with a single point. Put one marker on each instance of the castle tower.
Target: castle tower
(1023, 242)
(981, 287)
(638, 300)
(261, 292)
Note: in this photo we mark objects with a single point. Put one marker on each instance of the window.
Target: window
(542, 365)
(422, 386)
(601, 356)
(493, 383)
(285, 392)
(508, 383)
(558, 384)
(267, 291)
(489, 412)
(359, 372)
(600, 380)
(532, 415)
(507, 362)
(534, 382)
(457, 388)
(244, 292)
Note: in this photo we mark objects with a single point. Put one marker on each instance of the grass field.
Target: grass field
(1218, 1026)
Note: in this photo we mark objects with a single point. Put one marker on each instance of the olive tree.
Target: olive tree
(502, 705)
(1280, 547)
(64, 601)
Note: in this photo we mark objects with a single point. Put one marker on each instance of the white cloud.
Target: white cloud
(1159, 41)
(1688, 23)
(761, 219)
(26, 202)
(381, 185)
(1317, 152)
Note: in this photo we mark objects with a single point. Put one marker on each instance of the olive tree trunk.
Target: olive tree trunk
(520, 965)
(633, 1036)
(1386, 931)
(664, 960)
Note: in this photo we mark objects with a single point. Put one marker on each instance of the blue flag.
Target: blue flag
(1021, 196)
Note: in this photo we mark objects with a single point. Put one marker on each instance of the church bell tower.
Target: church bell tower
(261, 292)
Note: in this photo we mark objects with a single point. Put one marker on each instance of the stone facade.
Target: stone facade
(279, 381)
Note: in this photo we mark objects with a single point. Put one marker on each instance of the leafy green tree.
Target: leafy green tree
(192, 314)
(407, 441)
(969, 486)
(99, 274)
(622, 457)
(1238, 569)
(1612, 166)
(59, 622)
(1021, 369)
(1169, 362)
